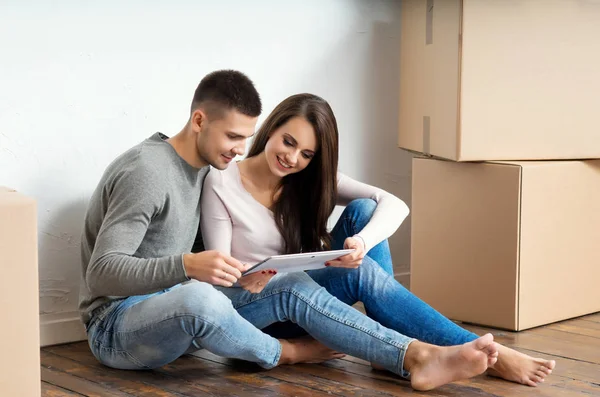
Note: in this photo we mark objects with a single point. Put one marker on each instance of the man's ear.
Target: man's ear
(197, 120)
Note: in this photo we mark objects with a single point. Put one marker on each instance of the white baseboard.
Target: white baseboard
(61, 328)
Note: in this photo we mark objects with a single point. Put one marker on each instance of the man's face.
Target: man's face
(221, 139)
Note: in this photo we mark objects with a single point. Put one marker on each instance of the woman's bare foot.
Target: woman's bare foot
(305, 350)
(433, 366)
(521, 368)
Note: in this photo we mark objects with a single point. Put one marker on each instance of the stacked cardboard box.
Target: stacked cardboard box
(500, 100)
(19, 302)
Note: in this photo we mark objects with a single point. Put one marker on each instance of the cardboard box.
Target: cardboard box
(19, 292)
(510, 245)
(500, 79)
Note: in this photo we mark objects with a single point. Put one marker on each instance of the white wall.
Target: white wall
(83, 81)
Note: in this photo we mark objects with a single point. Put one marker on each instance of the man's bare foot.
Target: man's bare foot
(433, 366)
(520, 368)
(305, 350)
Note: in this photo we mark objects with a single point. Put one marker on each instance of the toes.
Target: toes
(484, 342)
(492, 349)
(541, 374)
(492, 361)
(545, 370)
(529, 382)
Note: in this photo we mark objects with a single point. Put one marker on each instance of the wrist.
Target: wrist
(361, 240)
(185, 259)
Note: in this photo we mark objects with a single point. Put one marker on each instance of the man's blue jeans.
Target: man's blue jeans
(154, 330)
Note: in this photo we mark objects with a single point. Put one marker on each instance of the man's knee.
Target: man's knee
(200, 300)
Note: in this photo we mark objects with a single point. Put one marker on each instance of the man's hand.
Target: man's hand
(255, 282)
(353, 259)
(213, 267)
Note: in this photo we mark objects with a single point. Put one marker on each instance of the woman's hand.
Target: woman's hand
(353, 259)
(255, 282)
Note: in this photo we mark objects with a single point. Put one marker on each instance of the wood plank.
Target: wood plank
(578, 326)
(80, 354)
(77, 384)
(240, 376)
(122, 383)
(592, 317)
(549, 341)
(50, 390)
(217, 379)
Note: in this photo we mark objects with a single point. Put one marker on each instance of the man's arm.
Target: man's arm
(113, 270)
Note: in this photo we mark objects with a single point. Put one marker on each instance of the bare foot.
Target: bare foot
(305, 350)
(433, 366)
(521, 368)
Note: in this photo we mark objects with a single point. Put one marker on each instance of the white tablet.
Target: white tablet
(298, 262)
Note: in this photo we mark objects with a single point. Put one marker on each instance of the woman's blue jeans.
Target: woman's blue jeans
(385, 300)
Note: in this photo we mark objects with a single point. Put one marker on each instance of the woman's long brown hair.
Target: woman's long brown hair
(308, 197)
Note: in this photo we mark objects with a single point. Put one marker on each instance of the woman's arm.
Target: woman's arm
(387, 217)
(215, 220)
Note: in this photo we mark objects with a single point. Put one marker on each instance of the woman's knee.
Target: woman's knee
(360, 210)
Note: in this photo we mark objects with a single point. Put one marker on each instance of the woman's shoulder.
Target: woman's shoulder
(217, 177)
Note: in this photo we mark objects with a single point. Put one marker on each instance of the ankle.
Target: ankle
(416, 354)
(287, 353)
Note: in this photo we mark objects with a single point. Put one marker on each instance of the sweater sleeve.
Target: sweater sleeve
(216, 223)
(134, 198)
(387, 217)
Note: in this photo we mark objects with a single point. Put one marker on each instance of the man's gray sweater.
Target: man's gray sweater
(141, 219)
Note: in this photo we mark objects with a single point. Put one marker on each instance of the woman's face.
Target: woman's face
(291, 147)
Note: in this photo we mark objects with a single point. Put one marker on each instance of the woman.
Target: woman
(279, 199)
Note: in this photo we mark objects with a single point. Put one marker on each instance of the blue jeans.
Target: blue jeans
(144, 332)
(153, 330)
(373, 284)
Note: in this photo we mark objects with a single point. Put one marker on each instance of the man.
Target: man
(146, 299)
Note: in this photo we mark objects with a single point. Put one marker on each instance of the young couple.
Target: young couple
(155, 288)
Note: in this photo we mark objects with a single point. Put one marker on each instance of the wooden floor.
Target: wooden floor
(71, 370)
